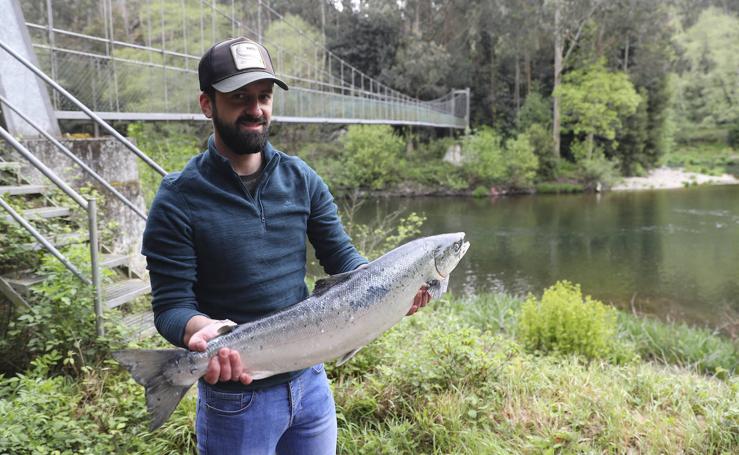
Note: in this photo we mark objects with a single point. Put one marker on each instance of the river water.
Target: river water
(673, 253)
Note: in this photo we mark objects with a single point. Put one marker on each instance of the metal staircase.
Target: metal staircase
(39, 210)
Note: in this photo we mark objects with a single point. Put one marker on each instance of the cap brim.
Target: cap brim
(239, 80)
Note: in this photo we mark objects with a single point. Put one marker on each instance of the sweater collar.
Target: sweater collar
(212, 155)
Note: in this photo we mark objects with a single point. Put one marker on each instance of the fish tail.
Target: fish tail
(148, 367)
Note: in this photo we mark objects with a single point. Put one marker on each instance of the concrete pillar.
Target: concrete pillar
(18, 84)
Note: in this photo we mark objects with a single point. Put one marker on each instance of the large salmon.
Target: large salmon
(344, 313)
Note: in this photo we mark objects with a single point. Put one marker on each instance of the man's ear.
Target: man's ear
(205, 105)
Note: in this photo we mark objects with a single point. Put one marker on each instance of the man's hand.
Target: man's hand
(226, 366)
(420, 300)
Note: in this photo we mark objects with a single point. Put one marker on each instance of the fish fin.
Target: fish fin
(324, 284)
(347, 356)
(147, 367)
(437, 288)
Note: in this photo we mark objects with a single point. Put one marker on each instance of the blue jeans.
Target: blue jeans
(298, 417)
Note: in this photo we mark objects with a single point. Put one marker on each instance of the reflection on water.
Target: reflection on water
(674, 253)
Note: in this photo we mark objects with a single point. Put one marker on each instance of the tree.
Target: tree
(595, 102)
(707, 91)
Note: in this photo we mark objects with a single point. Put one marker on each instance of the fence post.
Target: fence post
(95, 265)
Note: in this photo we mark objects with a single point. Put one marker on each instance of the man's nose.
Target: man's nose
(253, 108)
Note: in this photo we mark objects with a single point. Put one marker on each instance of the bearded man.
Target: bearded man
(225, 244)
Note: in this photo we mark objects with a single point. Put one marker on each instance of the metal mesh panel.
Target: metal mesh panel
(151, 68)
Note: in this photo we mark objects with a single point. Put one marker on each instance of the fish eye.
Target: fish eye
(457, 246)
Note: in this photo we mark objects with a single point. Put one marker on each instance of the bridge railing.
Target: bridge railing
(151, 73)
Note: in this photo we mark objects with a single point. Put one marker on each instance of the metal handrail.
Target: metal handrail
(89, 206)
(74, 158)
(84, 108)
(42, 167)
(43, 241)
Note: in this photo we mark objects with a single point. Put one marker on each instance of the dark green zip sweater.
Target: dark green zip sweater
(213, 249)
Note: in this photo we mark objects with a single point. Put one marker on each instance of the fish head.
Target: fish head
(448, 251)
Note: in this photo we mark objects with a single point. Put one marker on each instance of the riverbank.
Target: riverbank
(466, 385)
(667, 178)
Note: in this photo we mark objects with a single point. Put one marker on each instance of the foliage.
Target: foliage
(483, 156)
(540, 138)
(465, 389)
(170, 144)
(370, 157)
(712, 159)
(677, 344)
(732, 137)
(595, 101)
(565, 323)
(521, 162)
(558, 188)
(465, 371)
(59, 332)
(480, 192)
(381, 235)
(420, 69)
(536, 110)
(14, 253)
(707, 92)
(632, 142)
(597, 171)
(294, 41)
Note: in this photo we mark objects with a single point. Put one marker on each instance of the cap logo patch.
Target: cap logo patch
(247, 55)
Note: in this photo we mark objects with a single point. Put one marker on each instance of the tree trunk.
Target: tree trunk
(626, 55)
(492, 80)
(557, 76)
(527, 66)
(517, 85)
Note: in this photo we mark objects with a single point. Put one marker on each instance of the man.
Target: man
(225, 241)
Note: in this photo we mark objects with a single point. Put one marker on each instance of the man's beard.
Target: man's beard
(241, 142)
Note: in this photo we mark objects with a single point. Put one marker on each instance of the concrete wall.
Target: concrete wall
(114, 163)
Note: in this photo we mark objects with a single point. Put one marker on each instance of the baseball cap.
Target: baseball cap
(234, 63)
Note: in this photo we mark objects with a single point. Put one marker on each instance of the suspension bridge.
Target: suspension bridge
(137, 60)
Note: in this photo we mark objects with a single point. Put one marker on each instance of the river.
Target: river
(672, 253)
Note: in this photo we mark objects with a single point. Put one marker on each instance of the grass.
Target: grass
(452, 379)
(463, 384)
(704, 158)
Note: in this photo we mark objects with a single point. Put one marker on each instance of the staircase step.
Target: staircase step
(118, 293)
(58, 241)
(9, 166)
(22, 189)
(42, 212)
(113, 260)
(22, 284)
(140, 325)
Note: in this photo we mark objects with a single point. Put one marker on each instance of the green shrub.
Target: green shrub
(59, 332)
(483, 157)
(371, 157)
(521, 162)
(540, 138)
(481, 192)
(597, 170)
(564, 322)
